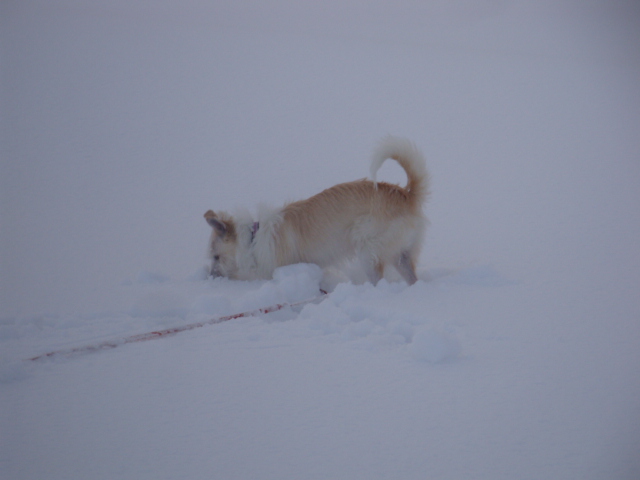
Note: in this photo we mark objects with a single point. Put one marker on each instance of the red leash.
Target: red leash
(143, 337)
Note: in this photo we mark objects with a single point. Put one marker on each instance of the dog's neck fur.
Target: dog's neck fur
(256, 243)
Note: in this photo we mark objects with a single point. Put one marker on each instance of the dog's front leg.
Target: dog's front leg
(213, 270)
(373, 268)
(406, 267)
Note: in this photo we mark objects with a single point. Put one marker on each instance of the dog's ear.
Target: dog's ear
(217, 225)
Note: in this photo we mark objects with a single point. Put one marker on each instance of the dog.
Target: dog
(376, 223)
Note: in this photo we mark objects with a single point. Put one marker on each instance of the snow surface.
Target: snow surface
(515, 355)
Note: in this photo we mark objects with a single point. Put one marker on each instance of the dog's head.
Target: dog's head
(223, 244)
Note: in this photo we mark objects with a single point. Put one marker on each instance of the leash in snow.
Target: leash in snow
(143, 337)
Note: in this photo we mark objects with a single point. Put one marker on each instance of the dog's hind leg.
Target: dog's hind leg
(372, 267)
(406, 267)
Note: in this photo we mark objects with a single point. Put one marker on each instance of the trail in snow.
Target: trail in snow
(359, 314)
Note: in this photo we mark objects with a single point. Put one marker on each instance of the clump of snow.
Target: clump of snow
(434, 347)
(291, 284)
(299, 281)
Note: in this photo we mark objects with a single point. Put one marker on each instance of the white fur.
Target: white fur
(390, 147)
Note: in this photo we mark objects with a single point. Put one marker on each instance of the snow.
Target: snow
(515, 355)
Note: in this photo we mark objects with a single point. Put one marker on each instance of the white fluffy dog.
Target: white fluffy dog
(376, 223)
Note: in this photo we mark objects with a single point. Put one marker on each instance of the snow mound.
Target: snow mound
(291, 284)
(382, 317)
(435, 347)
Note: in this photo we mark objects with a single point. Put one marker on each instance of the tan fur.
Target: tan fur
(377, 223)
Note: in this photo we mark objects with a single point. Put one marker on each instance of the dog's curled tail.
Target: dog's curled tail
(410, 159)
